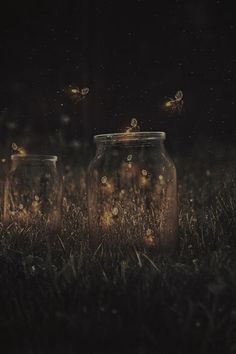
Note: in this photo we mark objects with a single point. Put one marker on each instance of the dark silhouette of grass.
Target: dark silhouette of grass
(74, 301)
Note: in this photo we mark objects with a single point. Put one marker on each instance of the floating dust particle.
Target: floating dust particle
(160, 178)
(21, 206)
(104, 180)
(36, 197)
(106, 220)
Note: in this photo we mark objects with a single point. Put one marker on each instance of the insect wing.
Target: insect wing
(84, 91)
(179, 95)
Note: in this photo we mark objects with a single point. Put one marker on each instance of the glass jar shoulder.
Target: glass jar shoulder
(146, 159)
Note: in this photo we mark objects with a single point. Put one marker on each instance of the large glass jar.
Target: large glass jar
(33, 192)
(132, 193)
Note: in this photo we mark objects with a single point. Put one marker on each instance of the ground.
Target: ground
(74, 301)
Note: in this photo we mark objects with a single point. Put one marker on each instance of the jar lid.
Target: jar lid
(130, 136)
(30, 157)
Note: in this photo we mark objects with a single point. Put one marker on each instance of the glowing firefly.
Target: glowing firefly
(106, 219)
(77, 94)
(175, 104)
(149, 238)
(18, 149)
(133, 126)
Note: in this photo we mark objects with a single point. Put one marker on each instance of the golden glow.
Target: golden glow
(149, 238)
(144, 181)
(22, 151)
(106, 219)
(74, 90)
(168, 103)
(108, 186)
(115, 211)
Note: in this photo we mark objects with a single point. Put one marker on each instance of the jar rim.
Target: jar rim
(130, 136)
(32, 157)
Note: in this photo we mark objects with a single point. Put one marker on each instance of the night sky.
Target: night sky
(132, 55)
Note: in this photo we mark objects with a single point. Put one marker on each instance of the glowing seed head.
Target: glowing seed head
(134, 123)
(104, 179)
(144, 173)
(115, 211)
(36, 197)
(74, 90)
(129, 157)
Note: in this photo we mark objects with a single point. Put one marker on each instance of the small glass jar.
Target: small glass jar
(132, 193)
(33, 192)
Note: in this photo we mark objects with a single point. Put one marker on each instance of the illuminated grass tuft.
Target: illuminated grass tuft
(71, 300)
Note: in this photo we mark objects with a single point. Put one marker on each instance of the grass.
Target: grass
(78, 302)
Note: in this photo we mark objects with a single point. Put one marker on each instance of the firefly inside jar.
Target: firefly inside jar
(33, 192)
(132, 193)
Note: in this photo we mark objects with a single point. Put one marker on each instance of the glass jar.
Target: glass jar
(132, 197)
(33, 192)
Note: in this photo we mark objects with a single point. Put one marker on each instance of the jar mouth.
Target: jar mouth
(30, 157)
(130, 136)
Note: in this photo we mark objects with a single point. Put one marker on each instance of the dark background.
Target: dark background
(131, 55)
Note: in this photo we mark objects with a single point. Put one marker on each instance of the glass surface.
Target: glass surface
(132, 192)
(33, 192)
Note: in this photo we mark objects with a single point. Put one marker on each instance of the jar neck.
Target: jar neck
(31, 162)
(122, 145)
